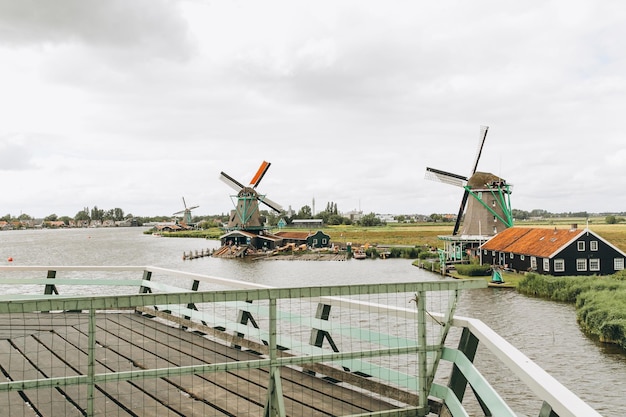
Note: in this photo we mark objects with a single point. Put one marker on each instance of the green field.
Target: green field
(425, 234)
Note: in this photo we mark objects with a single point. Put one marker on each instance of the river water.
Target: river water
(545, 331)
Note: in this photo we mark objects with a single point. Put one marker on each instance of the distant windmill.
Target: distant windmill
(246, 215)
(489, 210)
(186, 213)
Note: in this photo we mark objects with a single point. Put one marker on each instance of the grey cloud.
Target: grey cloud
(150, 26)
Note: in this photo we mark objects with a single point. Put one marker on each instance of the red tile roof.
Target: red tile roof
(293, 235)
(538, 242)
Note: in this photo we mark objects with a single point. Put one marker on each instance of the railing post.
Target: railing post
(468, 344)
(422, 355)
(275, 404)
(147, 275)
(318, 336)
(51, 288)
(91, 362)
(546, 411)
(192, 306)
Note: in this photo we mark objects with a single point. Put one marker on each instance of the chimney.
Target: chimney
(574, 226)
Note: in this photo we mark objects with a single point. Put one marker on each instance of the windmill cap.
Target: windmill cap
(480, 179)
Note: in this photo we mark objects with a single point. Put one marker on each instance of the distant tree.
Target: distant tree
(610, 219)
(335, 219)
(6, 218)
(304, 213)
(24, 216)
(539, 213)
(82, 215)
(118, 214)
(51, 218)
(520, 214)
(370, 220)
(436, 217)
(96, 213)
(65, 219)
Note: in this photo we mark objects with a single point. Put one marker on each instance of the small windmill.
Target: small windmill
(489, 209)
(246, 215)
(186, 213)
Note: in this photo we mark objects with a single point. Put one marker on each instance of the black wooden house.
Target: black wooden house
(553, 252)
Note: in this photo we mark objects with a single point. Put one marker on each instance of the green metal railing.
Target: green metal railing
(368, 327)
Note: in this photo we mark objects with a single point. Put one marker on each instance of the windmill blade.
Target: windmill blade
(259, 174)
(231, 182)
(457, 223)
(445, 177)
(178, 212)
(274, 206)
(184, 203)
(481, 143)
(191, 208)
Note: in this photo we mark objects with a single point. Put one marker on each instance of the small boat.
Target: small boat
(359, 254)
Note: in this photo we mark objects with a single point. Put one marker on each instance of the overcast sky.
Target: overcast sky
(138, 103)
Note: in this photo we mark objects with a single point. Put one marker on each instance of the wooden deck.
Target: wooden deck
(41, 345)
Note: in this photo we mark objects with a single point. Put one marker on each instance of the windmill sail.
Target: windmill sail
(481, 143)
(459, 180)
(445, 177)
(259, 174)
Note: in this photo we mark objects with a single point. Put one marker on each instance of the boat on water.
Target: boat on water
(359, 254)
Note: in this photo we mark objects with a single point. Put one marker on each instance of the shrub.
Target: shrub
(472, 270)
(600, 301)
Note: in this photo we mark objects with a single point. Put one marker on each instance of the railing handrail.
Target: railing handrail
(562, 401)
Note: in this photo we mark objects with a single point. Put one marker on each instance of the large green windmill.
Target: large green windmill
(489, 209)
(246, 215)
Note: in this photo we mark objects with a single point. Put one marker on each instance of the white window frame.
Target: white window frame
(533, 263)
(581, 245)
(546, 264)
(593, 245)
(594, 264)
(559, 265)
(618, 264)
(581, 264)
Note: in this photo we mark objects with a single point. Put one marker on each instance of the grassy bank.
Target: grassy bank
(600, 301)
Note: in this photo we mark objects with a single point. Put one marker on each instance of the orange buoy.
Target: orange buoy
(10, 259)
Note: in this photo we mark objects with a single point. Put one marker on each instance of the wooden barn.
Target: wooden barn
(553, 251)
(258, 241)
(317, 239)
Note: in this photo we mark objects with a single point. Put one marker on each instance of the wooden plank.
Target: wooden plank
(153, 396)
(130, 341)
(299, 388)
(47, 401)
(116, 396)
(151, 349)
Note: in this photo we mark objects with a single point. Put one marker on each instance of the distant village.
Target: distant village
(57, 224)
